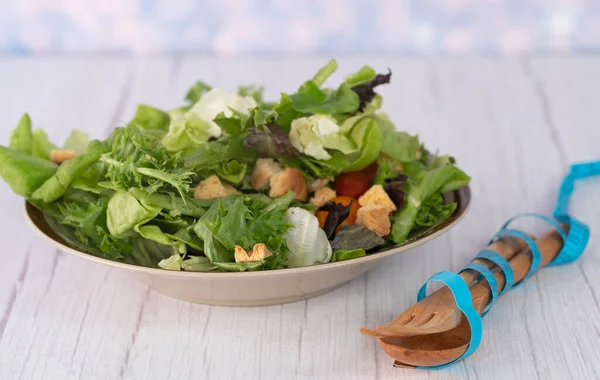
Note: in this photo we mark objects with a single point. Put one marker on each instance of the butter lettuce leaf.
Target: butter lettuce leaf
(24, 173)
(21, 139)
(56, 185)
(124, 212)
(150, 118)
(398, 145)
(77, 142)
(41, 145)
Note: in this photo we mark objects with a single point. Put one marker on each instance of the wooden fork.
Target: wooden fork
(438, 312)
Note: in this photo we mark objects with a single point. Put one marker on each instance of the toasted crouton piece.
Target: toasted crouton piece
(289, 179)
(259, 252)
(376, 196)
(322, 196)
(61, 155)
(213, 188)
(375, 218)
(318, 184)
(264, 169)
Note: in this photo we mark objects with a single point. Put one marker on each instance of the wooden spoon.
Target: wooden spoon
(447, 346)
(438, 312)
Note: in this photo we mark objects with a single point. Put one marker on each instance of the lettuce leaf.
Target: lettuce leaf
(150, 118)
(77, 141)
(325, 72)
(286, 112)
(232, 171)
(175, 206)
(385, 171)
(343, 254)
(434, 211)
(148, 253)
(352, 237)
(311, 99)
(80, 219)
(426, 184)
(196, 91)
(21, 139)
(138, 159)
(198, 264)
(365, 134)
(41, 145)
(239, 220)
(398, 145)
(254, 91)
(364, 75)
(23, 173)
(124, 212)
(191, 264)
(306, 240)
(153, 232)
(270, 141)
(56, 185)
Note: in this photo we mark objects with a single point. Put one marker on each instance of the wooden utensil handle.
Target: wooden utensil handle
(549, 245)
(506, 247)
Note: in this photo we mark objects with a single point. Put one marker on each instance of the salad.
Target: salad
(231, 182)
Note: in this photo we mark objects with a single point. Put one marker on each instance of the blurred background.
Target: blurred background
(149, 27)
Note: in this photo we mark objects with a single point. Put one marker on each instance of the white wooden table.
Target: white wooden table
(513, 124)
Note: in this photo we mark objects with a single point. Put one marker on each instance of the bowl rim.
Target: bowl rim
(462, 197)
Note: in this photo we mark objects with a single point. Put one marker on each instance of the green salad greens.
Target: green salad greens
(231, 182)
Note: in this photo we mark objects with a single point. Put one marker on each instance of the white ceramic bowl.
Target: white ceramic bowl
(255, 288)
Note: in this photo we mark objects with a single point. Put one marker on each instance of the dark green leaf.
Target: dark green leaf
(354, 237)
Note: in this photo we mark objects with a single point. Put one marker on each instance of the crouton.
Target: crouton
(264, 169)
(61, 155)
(376, 196)
(318, 184)
(259, 252)
(322, 196)
(289, 179)
(213, 188)
(375, 218)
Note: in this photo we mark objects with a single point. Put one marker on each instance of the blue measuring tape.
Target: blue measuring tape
(574, 243)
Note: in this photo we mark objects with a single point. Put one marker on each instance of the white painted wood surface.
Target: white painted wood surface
(513, 124)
